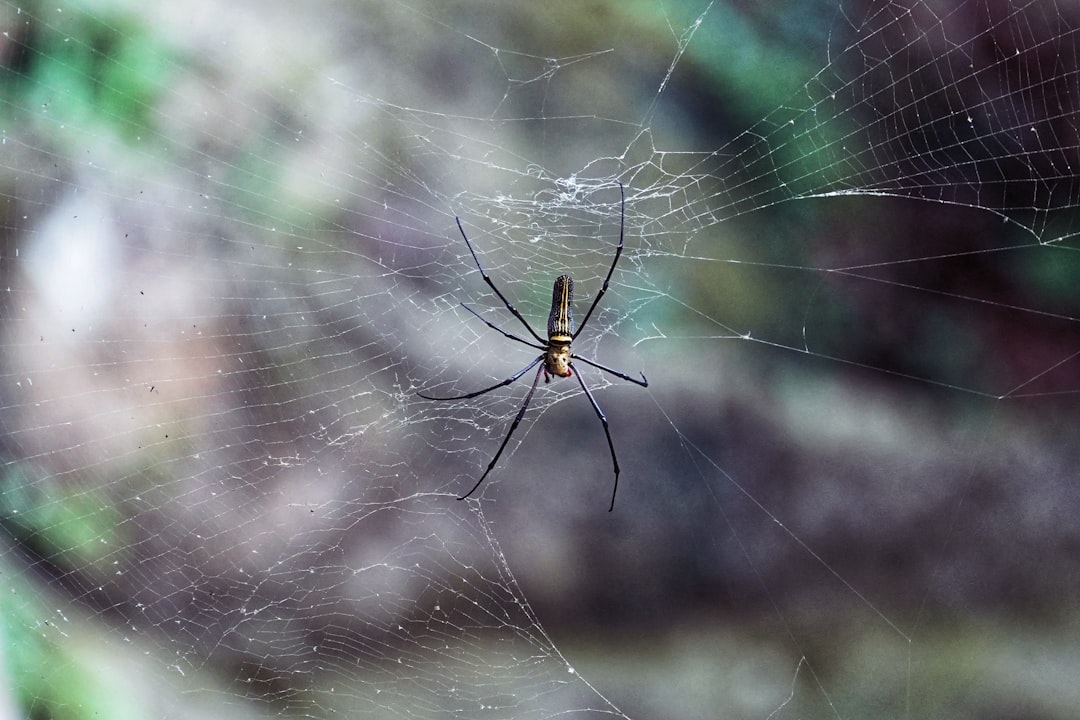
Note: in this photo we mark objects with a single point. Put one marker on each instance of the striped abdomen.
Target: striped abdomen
(561, 319)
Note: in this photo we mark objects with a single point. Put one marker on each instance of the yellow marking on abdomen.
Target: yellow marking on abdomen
(561, 319)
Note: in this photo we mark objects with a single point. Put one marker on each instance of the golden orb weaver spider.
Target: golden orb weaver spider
(556, 358)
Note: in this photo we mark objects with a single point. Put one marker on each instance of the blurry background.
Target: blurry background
(229, 260)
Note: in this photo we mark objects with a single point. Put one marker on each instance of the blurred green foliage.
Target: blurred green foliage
(89, 72)
(57, 673)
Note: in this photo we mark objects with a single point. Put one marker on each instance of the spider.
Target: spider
(556, 358)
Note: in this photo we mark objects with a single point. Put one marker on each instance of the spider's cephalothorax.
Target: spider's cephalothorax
(556, 357)
(560, 329)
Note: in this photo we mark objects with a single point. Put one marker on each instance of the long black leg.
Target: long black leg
(513, 427)
(618, 252)
(507, 381)
(513, 310)
(607, 434)
(512, 336)
(643, 382)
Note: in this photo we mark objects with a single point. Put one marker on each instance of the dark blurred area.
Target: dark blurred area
(230, 255)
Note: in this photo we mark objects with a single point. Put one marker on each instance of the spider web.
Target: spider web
(230, 260)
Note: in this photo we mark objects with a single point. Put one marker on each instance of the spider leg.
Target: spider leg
(499, 329)
(513, 310)
(507, 381)
(643, 382)
(618, 252)
(513, 427)
(607, 434)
